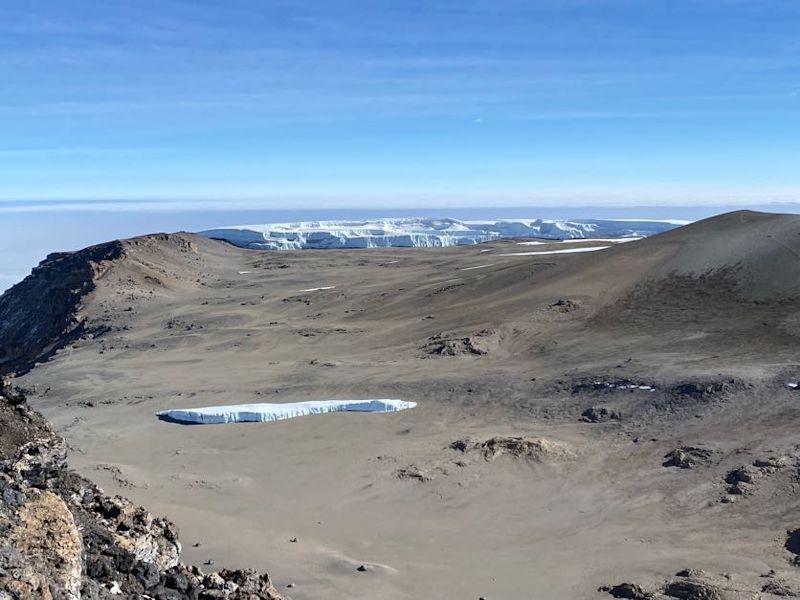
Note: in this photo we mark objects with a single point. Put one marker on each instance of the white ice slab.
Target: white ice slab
(263, 412)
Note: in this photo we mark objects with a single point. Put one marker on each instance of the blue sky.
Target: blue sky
(387, 102)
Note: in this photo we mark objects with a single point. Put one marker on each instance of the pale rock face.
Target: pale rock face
(46, 536)
(63, 538)
(154, 544)
(419, 232)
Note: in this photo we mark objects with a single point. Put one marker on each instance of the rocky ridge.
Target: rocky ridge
(63, 538)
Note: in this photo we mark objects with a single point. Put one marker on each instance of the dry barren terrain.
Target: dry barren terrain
(583, 420)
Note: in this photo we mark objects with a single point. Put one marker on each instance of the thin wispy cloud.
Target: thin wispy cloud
(168, 93)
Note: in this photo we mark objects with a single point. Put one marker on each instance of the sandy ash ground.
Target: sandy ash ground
(675, 350)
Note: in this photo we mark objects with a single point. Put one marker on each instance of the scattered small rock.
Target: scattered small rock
(743, 480)
(690, 573)
(214, 581)
(114, 588)
(691, 590)
(793, 544)
(600, 414)
(687, 457)
(413, 472)
(626, 590)
(461, 445)
(441, 346)
(777, 588)
(565, 305)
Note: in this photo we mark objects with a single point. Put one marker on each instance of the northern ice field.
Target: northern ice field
(419, 232)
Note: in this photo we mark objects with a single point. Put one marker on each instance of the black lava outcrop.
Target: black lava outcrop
(793, 544)
(62, 538)
(687, 457)
(744, 480)
(691, 590)
(600, 414)
(439, 345)
(630, 591)
(37, 316)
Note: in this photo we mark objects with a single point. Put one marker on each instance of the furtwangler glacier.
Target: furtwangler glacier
(263, 412)
(419, 232)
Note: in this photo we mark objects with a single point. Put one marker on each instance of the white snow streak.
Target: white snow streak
(567, 251)
(621, 240)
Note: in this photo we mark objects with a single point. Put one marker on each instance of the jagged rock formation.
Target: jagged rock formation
(695, 584)
(43, 313)
(38, 314)
(62, 538)
(687, 457)
(445, 344)
(600, 414)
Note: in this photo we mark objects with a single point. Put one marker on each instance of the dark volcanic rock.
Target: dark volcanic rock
(745, 474)
(37, 314)
(777, 588)
(441, 346)
(691, 590)
(413, 472)
(742, 480)
(600, 414)
(564, 305)
(461, 445)
(687, 457)
(627, 590)
(793, 544)
(702, 390)
(61, 537)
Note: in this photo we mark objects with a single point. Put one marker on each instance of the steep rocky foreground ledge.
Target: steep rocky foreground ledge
(61, 537)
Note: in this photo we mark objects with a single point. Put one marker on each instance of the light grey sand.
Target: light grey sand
(512, 349)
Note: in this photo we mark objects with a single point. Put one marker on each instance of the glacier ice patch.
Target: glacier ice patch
(263, 412)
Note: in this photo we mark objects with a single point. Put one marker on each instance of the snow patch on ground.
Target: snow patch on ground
(567, 251)
(240, 413)
(621, 240)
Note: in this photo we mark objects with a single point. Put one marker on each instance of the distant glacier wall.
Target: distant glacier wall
(425, 233)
